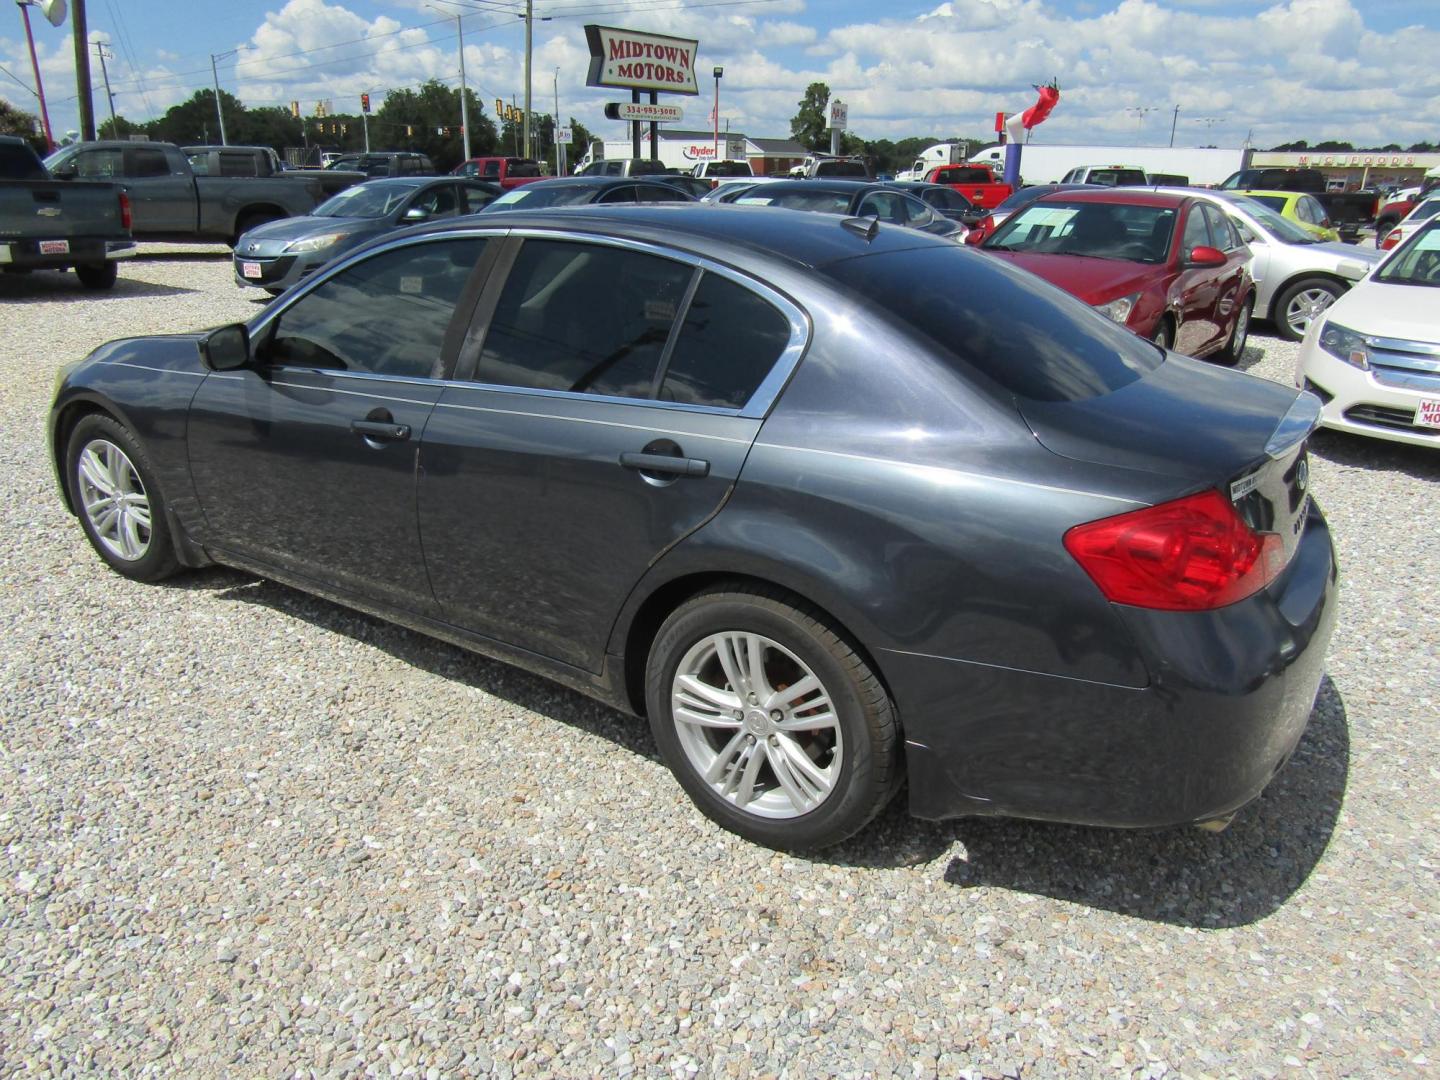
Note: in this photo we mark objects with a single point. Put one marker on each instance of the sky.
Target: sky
(1359, 70)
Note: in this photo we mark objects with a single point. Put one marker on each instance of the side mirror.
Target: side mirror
(975, 237)
(416, 213)
(1201, 255)
(227, 348)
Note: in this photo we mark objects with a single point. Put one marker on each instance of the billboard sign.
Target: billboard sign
(631, 60)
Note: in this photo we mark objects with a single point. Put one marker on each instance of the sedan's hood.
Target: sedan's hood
(1411, 312)
(1096, 281)
(1340, 251)
(1186, 418)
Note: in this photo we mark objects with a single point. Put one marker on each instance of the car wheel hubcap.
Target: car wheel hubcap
(757, 724)
(1305, 307)
(1242, 330)
(114, 500)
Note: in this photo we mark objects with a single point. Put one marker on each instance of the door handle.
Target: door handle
(666, 464)
(381, 431)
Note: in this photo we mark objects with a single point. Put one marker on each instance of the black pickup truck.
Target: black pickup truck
(170, 202)
(1348, 210)
(45, 225)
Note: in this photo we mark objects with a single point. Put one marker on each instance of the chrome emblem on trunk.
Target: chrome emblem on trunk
(49, 211)
(1302, 474)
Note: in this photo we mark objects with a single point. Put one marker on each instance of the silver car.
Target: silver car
(1296, 276)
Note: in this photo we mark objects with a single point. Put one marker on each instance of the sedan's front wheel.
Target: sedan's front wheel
(113, 490)
(772, 722)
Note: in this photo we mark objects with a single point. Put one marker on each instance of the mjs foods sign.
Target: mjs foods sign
(634, 61)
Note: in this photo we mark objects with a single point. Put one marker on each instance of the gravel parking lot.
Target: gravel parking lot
(249, 833)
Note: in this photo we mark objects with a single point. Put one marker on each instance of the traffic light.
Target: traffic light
(409, 131)
(365, 103)
(295, 109)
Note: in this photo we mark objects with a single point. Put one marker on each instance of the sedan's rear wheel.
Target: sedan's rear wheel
(771, 721)
(113, 490)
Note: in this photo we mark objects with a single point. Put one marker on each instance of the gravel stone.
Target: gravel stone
(246, 832)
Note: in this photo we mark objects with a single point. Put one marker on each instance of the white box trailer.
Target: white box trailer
(1046, 163)
(679, 150)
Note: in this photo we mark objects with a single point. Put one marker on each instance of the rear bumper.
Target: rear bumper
(1229, 697)
(26, 254)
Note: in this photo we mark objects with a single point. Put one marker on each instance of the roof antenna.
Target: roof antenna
(865, 227)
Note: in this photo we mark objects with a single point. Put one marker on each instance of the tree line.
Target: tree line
(426, 120)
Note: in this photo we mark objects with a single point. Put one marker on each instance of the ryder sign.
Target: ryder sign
(631, 60)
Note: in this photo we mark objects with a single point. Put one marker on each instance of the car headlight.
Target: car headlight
(1119, 309)
(1345, 344)
(313, 243)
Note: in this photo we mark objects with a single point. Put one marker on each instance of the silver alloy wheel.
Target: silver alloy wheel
(1241, 333)
(757, 724)
(114, 500)
(1305, 307)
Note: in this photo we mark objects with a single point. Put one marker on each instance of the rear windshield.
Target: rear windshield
(1117, 177)
(19, 163)
(984, 315)
(728, 168)
(532, 196)
(642, 167)
(825, 202)
(971, 175)
(841, 168)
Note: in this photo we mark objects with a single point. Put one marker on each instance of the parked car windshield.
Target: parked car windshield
(1274, 202)
(1048, 347)
(1283, 228)
(366, 201)
(532, 196)
(826, 202)
(1416, 262)
(1098, 230)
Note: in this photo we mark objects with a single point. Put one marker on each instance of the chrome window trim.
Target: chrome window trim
(757, 408)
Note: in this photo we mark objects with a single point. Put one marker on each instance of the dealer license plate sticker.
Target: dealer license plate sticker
(54, 247)
(1428, 414)
(250, 270)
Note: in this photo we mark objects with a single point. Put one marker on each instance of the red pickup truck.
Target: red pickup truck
(976, 182)
(508, 172)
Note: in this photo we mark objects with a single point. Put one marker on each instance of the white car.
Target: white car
(1420, 213)
(1374, 358)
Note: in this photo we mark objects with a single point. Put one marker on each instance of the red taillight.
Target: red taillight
(1391, 239)
(1192, 554)
(124, 210)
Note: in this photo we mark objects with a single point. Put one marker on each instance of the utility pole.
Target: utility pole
(219, 112)
(529, 22)
(105, 71)
(1173, 121)
(82, 72)
(559, 150)
(464, 93)
(35, 66)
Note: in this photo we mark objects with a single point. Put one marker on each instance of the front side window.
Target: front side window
(583, 318)
(1196, 234)
(95, 165)
(386, 315)
(437, 202)
(1220, 231)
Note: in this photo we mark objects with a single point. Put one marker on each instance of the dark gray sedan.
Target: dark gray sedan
(832, 504)
(276, 255)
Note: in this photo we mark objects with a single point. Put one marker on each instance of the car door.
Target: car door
(1231, 280)
(1196, 287)
(603, 405)
(162, 193)
(307, 461)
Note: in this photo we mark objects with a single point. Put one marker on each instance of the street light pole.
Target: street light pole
(82, 70)
(529, 23)
(464, 92)
(1173, 121)
(24, 6)
(719, 72)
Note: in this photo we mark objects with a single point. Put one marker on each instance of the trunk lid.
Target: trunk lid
(1205, 426)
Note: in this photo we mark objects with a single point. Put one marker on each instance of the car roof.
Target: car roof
(405, 181)
(1129, 196)
(715, 230)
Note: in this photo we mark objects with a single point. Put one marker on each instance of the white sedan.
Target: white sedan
(1374, 359)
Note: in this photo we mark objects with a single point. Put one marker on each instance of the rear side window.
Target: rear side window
(239, 165)
(1048, 346)
(728, 343)
(583, 318)
(145, 162)
(386, 315)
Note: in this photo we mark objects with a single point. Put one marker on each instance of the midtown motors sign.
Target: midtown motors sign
(631, 60)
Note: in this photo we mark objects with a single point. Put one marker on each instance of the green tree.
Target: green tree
(120, 128)
(14, 121)
(193, 120)
(808, 125)
(272, 126)
(1331, 146)
(428, 120)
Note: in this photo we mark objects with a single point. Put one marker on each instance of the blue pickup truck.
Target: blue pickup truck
(50, 225)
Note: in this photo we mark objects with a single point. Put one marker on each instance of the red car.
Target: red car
(1168, 267)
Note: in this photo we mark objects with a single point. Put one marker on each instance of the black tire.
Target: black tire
(1234, 349)
(1282, 303)
(1164, 335)
(157, 559)
(251, 221)
(97, 276)
(863, 747)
